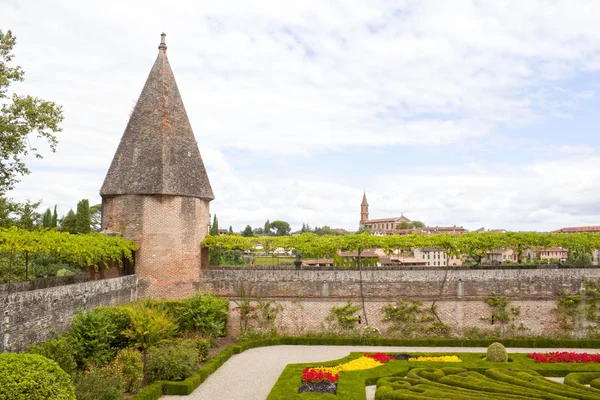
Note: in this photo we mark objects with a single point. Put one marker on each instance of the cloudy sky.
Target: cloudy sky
(460, 112)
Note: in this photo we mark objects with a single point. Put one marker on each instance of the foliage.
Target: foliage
(130, 367)
(21, 116)
(580, 310)
(244, 308)
(247, 232)
(205, 314)
(501, 312)
(83, 220)
(281, 228)
(410, 319)
(78, 250)
(96, 335)
(68, 223)
(59, 350)
(96, 217)
(33, 377)
(99, 384)
(149, 327)
(343, 319)
(172, 361)
(475, 244)
(496, 353)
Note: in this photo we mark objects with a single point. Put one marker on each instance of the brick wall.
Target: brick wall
(168, 231)
(31, 316)
(308, 295)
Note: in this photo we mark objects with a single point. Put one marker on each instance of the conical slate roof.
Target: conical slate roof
(158, 153)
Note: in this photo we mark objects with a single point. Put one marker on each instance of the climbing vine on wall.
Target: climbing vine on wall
(502, 313)
(580, 309)
(343, 319)
(409, 318)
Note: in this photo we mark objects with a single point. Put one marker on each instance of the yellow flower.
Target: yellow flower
(437, 359)
(354, 365)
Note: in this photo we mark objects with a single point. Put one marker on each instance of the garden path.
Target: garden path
(251, 375)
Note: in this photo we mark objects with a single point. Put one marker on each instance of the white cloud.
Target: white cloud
(272, 79)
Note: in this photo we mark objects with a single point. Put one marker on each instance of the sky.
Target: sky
(467, 113)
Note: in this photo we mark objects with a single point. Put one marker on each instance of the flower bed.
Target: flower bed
(452, 359)
(565, 357)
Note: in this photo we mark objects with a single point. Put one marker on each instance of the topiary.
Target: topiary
(496, 353)
(172, 361)
(33, 377)
(58, 350)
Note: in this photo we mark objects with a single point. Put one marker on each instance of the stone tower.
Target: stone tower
(157, 190)
(364, 209)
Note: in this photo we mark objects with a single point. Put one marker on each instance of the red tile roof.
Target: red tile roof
(578, 229)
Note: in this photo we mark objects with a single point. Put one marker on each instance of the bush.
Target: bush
(59, 350)
(204, 314)
(149, 327)
(172, 361)
(131, 369)
(496, 353)
(203, 347)
(99, 384)
(96, 334)
(33, 377)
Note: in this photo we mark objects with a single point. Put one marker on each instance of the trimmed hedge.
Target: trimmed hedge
(33, 377)
(187, 386)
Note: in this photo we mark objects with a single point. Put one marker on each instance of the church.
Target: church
(380, 226)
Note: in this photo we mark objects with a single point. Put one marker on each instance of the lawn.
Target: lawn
(473, 378)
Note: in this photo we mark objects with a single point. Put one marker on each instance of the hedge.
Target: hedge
(188, 385)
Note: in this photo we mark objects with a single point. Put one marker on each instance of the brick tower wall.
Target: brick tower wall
(168, 230)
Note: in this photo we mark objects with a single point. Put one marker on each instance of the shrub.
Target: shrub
(497, 353)
(149, 327)
(33, 377)
(96, 334)
(172, 361)
(59, 350)
(205, 314)
(131, 368)
(99, 384)
(203, 347)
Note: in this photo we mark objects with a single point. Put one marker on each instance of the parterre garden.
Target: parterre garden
(444, 376)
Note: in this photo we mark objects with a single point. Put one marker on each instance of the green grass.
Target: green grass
(424, 381)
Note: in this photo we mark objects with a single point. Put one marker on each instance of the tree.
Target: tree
(67, 223)
(83, 220)
(282, 228)
(214, 228)
(96, 217)
(404, 225)
(54, 218)
(258, 231)
(247, 232)
(230, 230)
(306, 228)
(267, 228)
(28, 216)
(47, 219)
(21, 116)
(417, 224)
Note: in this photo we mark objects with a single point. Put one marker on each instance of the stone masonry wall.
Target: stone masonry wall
(31, 316)
(168, 231)
(308, 295)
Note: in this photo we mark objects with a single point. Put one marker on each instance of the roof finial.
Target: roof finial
(162, 45)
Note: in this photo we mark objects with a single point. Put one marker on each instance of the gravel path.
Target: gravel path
(251, 374)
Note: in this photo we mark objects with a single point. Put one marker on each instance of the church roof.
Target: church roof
(158, 153)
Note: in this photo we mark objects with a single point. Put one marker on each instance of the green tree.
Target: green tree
(267, 228)
(83, 220)
(21, 116)
(282, 228)
(47, 219)
(230, 230)
(404, 225)
(96, 217)
(247, 232)
(68, 222)
(27, 214)
(214, 228)
(417, 224)
(55, 218)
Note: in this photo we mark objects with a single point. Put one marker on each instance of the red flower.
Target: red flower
(316, 375)
(565, 356)
(381, 357)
